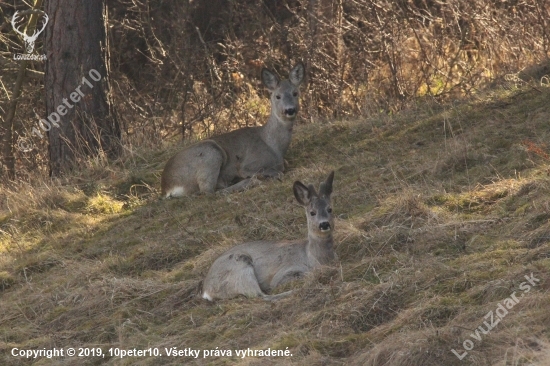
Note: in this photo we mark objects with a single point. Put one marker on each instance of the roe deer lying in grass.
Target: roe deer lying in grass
(256, 268)
(230, 160)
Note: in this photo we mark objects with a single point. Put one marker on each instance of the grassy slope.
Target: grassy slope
(442, 210)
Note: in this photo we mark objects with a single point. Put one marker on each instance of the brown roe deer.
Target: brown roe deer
(230, 161)
(256, 268)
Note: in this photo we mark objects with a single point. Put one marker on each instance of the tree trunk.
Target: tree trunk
(80, 117)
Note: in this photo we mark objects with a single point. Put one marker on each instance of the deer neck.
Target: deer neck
(277, 133)
(320, 250)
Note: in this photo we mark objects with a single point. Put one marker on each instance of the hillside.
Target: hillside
(442, 210)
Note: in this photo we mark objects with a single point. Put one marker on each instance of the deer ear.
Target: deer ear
(302, 193)
(297, 74)
(326, 186)
(312, 190)
(270, 80)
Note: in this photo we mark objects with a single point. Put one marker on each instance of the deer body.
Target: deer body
(256, 268)
(230, 160)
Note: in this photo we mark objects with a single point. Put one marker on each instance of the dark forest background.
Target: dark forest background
(189, 69)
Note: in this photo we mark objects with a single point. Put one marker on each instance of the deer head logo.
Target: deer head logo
(29, 40)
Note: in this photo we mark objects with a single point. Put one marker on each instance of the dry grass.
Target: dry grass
(441, 210)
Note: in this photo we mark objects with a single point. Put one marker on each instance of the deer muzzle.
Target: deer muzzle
(324, 226)
(290, 112)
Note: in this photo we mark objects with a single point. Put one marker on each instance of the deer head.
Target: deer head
(29, 40)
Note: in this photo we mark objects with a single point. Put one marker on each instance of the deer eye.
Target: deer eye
(329, 210)
(278, 96)
(313, 213)
(295, 94)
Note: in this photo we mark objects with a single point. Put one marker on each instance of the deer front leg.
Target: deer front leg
(241, 186)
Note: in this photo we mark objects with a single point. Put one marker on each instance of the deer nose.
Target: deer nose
(324, 226)
(290, 111)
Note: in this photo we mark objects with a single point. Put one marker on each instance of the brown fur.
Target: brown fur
(230, 161)
(256, 268)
